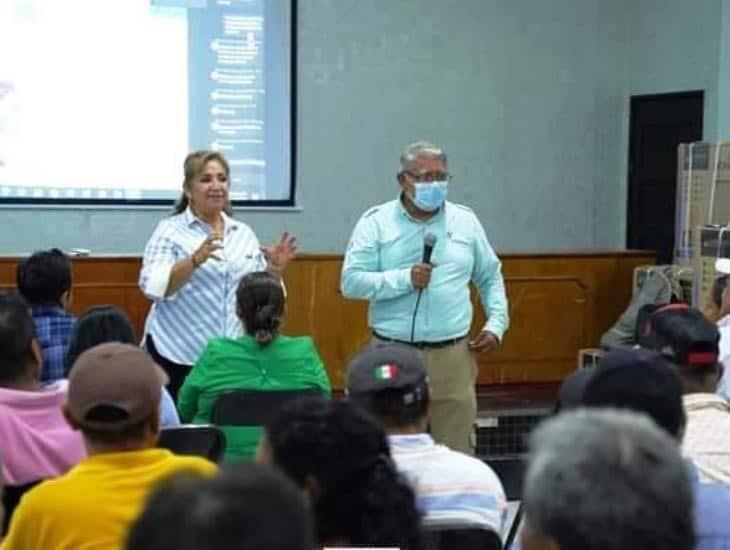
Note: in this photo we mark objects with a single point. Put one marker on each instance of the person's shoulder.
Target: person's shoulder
(56, 387)
(48, 492)
(220, 345)
(169, 225)
(45, 313)
(192, 463)
(471, 466)
(297, 344)
(220, 342)
(173, 220)
(378, 210)
(461, 210)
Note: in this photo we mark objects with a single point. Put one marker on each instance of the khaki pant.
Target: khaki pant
(452, 373)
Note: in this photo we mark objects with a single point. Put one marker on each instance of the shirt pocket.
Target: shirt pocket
(393, 252)
(245, 262)
(458, 252)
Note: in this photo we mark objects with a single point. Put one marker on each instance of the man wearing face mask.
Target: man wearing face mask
(427, 305)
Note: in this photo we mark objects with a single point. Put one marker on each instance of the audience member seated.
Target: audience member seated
(44, 280)
(605, 480)
(339, 456)
(114, 400)
(35, 440)
(2, 500)
(451, 487)
(262, 360)
(690, 342)
(643, 381)
(716, 305)
(717, 310)
(101, 324)
(659, 287)
(249, 506)
(571, 390)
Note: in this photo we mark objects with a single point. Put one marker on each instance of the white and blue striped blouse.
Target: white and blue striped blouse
(205, 306)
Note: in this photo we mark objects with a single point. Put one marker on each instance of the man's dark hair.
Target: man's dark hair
(391, 407)
(688, 340)
(249, 506)
(360, 499)
(16, 336)
(98, 325)
(44, 277)
(644, 382)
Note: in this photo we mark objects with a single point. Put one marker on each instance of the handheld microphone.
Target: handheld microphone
(429, 241)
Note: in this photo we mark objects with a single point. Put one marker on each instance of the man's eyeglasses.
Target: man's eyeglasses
(430, 177)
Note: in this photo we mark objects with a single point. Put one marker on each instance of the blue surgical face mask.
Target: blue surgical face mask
(430, 196)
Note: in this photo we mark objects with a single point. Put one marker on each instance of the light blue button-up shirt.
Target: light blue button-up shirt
(384, 246)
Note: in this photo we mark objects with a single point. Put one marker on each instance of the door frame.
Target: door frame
(632, 188)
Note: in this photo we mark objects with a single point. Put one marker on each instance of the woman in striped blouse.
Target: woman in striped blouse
(192, 265)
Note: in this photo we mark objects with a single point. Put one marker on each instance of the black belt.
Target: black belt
(422, 345)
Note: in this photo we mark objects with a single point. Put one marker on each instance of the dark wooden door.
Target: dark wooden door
(659, 123)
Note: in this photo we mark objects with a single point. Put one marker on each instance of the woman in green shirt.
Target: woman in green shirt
(262, 359)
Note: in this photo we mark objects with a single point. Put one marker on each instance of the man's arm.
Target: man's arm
(361, 274)
(487, 275)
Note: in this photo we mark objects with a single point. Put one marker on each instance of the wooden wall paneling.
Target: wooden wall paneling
(559, 302)
(547, 327)
(316, 307)
(125, 296)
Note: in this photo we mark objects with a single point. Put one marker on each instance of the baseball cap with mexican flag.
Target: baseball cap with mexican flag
(386, 372)
(385, 366)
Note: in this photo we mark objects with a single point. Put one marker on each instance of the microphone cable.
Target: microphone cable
(415, 312)
(429, 241)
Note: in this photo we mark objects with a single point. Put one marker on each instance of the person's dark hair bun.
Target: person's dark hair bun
(260, 300)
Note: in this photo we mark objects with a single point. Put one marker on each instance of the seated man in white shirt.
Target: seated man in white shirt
(451, 488)
(717, 309)
(691, 343)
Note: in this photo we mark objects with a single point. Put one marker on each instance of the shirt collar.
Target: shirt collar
(191, 219)
(724, 322)
(704, 401)
(126, 459)
(49, 310)
(414, 442)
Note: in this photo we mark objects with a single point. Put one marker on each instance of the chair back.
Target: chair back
(11, 499)
(253, 407)
(514, 528)
(189, 439)
(461, 538)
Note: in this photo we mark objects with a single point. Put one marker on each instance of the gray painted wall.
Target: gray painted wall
(528, 98)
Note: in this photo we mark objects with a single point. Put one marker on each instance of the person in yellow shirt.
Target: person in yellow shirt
(114, 399)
